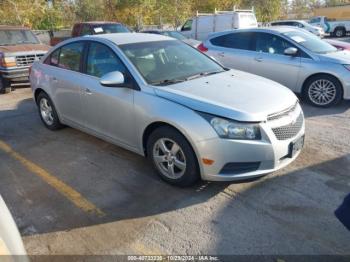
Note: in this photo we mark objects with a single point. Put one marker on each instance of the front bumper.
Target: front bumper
(16, 76)
(249, 158)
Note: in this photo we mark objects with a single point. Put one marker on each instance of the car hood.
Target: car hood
(340, 57)
(24, 48)
(233, 94)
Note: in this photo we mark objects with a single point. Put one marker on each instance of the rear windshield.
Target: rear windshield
(110, 29)
(17, 37)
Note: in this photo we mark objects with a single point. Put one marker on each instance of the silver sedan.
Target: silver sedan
(290, 56)
(163, 99)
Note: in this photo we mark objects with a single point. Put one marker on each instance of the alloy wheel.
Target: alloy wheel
(46, 111)
(169, 158)
(322, 92)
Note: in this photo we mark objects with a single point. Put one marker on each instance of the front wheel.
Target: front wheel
(48, 112)
(340, 32)
(173, 157)
(323, 91)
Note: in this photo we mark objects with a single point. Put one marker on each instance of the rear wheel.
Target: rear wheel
(48, 112)
(173, 157)
(323, 91)
(340, 32)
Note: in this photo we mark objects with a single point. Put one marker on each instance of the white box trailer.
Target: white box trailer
(203, 24)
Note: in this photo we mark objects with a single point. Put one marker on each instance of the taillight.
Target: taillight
(30, 69)
(202, 48)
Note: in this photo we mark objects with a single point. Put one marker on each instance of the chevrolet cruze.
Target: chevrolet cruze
(163, 99)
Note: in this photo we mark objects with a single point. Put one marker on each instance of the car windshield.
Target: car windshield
(310, 42)
(110, 29)
(169, 62)
(174, 34)
(17, 37)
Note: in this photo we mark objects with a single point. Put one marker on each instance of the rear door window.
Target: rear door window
(70, 56)
(235, 40)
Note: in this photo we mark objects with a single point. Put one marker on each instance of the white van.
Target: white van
(200, 26)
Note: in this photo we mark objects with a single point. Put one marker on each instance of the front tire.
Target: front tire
(173, 157)
(340, 32)
(48, 112)
(323, 91)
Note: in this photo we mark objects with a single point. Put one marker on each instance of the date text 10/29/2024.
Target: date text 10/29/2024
(173, 258)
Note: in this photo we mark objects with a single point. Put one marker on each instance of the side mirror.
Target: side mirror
(291, 51)
(113, 79)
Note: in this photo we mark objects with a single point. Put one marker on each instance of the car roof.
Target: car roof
(274, 29)
(131, 38)
(98, 23)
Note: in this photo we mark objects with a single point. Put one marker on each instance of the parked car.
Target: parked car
(318, 31)
(92, 28)
(161, 98)
(203, 24)
(333, 27)
(295, 58)
(176, 35)
(340, 45)
(19, 48)
(11, 245)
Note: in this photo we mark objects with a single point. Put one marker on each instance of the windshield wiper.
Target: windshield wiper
(203, 74)
(168, 82)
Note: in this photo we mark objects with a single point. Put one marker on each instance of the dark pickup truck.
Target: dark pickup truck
(19, 48)
(92, 28)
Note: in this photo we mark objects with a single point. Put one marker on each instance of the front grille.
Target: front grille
(289, 131)
(27, 60)
(282, 113)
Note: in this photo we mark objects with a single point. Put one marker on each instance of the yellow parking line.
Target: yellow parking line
(75, 197)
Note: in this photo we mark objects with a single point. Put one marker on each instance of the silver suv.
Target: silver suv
(161, 98)
(290, 56)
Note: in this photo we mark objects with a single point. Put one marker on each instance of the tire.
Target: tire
(5, 86)
(340, 32)
(323, 91)
(186, 171)
(48, 112)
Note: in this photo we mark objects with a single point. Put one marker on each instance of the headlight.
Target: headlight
(231, 129)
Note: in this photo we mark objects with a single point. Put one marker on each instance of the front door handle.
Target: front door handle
(88, 91)
(258, 59)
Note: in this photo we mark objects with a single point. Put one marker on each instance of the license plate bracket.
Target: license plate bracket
(296, 146)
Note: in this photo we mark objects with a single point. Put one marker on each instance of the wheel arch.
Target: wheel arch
(322, 74)
(37, 92)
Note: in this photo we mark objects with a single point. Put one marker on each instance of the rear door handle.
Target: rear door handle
(222, 54)
(258, 59)
(54, 79)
